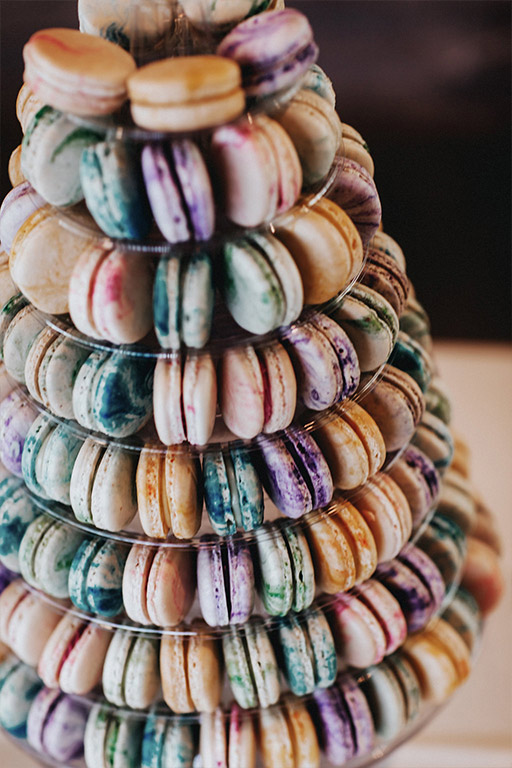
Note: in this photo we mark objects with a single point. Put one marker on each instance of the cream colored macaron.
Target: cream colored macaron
(186, 93)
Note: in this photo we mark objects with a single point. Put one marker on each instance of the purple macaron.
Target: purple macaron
(418, 478)
(225, 581)
(274, 50)
(179, 190)
(295, 472)
(21, 202)
(354, 190)
(424, 567)
(56, 725)
(16, 417)
(345, 352)
(359, 711)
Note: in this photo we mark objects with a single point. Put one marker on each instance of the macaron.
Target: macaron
(257, 169)
(26, 622)
(46, 553)
(16, 417)
(371, 323)
(16, 175)
(326, 246)
(227, 738)
(308, 651)
(438, 400)
(17, 511)
(27, 104)
(257, 390)
(73, 656)
(316, 80)
(440, 660)
(284, 569)
(457, 500)
(342, 547)
(251, 665)
(463, 614)
(43, 255)
(354, 190)
(124, 26)
(40, 429)
(186, 93)
(169, 492)
(48, 462)
(76, 72)
(191, 671)
(415, 321)
(225, 581)
(50, 155)
(287, 736)
(179, 190)
(110, 294)
(233, 492)
(409, 683)
(8, 292)
(102, 486)
(419, 480)
(51, 367)
(185, 399)
(96, 575)
(386, 700)
(130, 670)
(114, 190)
(19, 689)
(383, 274)
(345, 721)
(158, 584)
(356, 148)
(215, 17)
(352, 444)
(324, 360)
(483, 575)
(19, 337)
(295, 473)
(411, 357)
(386, 510)
(445, 543)
(261, 283)
(56, 725)
(112, 393)
(112, 737)
(168, 741)
(385, 243)
(16, 207)
(183, 300)
(396, 403)
(435, 440)
(315, 129)
(273, 50)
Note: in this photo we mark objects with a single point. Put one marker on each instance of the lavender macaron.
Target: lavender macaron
(354, 190)
(225, 581)
(56, 725)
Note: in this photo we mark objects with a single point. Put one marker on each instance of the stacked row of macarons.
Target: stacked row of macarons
(345, 720)
(188, 667)
(299, 468)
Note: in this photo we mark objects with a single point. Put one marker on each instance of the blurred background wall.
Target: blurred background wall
(428, 84)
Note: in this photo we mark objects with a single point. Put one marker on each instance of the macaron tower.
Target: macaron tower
(233, 519)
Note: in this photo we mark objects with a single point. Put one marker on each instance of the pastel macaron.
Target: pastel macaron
(356, 148)
(309, 653)
(27, 104)
(130, 676)
(102, 485)
(16, 417)
(419, 480)
(50, 155)
(179, 189)
(110, 294)
(183, 300)
(112, 735)
(326, 246)
(288, 735)
(16, 207)
(315, 129)
(16, 175)
(169, 492)
(96, 575)
(261, 283)
(167, 740)
(354, 190)
(56, 725)
(43, 255)
(227, 738)
(158, 584)
(225, 581)
(19, 689)
(233, 492)
(26, 622)
(186, 93)
(273, 50)
(251, 665)
(257, 170)
(76, 72)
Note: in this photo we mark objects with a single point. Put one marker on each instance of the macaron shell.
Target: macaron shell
(199, 398)
(387, 610)
(287, 163)
(275, 584)
(249, 489)
(360, 539)
(164, 195)
(204, 671)
(275, 742)
(153, 507)
(104, 579)
(337, 737)
(303, 735)
(16, 207)
(81, 670)
(18, 339)
(196, 187)
(30, 626)
(280, 387)
(52, 559)
(16, 417)
(167, 301)
(16, 175)
(212, 584)
(241, 581)
(386, 702)
(82, 479)
(345, 453)
(304, 582)
(283, 264)
(263, 664)
(335, 568)
(57, 375)
(319, 377)
(34, 360)
(18, 691)
(345, 352)
(354, 190)
(113, 495)
(298, 658)
(33, 449)
(359, 712)
(167, 393)
(183, 493)
(242, 392)
(141, 677)
(17, 511)
(170, 587)
(60, 450)
(358, 632)
(82, 400)
(174, 674)
(197, 301)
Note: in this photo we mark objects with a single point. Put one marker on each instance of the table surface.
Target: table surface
(475, 729)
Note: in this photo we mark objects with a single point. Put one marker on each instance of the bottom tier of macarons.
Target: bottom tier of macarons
(360, 717)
